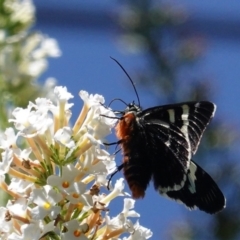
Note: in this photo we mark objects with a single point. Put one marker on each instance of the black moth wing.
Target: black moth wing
(191, 118)
(200, 191)
(168, 154)
(173, 133)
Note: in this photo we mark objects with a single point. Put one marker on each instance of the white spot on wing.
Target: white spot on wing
(171, 115)
(167, 143)
(159, 122)
(214, 110)
(184, 129)
(184, 117)
(197, 105)
(192, 177)
(185, 113)
(164, 124)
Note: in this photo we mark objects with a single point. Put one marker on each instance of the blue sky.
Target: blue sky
(85, 64)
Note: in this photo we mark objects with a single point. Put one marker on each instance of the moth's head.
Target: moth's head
(132, 107)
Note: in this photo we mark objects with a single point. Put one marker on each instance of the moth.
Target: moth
(158, 144)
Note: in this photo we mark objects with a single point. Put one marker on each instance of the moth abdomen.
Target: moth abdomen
(137, 177)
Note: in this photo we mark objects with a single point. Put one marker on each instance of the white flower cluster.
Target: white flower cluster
(22, 54)
(56, 183)
(21, 11)
(34, 53)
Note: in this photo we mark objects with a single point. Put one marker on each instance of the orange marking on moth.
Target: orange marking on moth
(124, 130)
(137, 190)
(125, 126)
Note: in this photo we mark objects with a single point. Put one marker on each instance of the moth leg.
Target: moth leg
(113, 143)
(119, 168)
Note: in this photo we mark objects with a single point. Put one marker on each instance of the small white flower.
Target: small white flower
(117, 191)
(99, 125)
(43, 105)
(91, 164)
(128, 205)
(49, 47)
(46, 200)
(77, 194)
(64, 137)
(7, 157)
(49, 85)
(140, 233)
(108, 117)
(91, 99)
(64, 182)
(49, 227)
(74, 231)
(28, 231)
(35, 68)
(102, 180)
(20, 186)
(30, 122)
(113, 223)
(6, 225)
(21, 118)
(107, 159)
(8, 139)
(62, 94)
(18, 208)
(23, 154)
(119, 222)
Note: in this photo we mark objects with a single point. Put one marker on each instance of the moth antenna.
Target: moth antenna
(128, 78)
(117, 99)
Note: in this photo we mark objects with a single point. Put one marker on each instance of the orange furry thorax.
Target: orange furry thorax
(124, 127)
